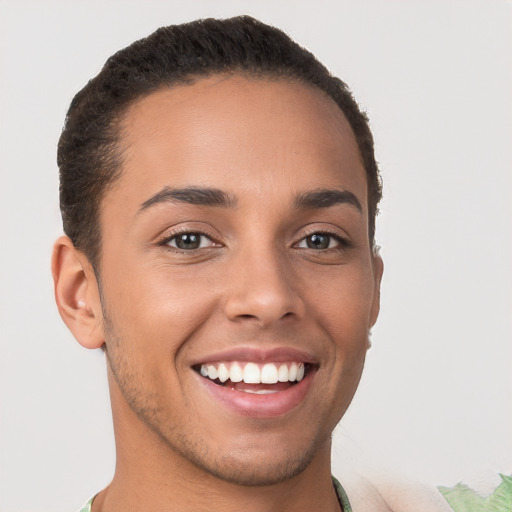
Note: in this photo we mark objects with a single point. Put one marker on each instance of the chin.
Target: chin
(252, 460)
(254, 471)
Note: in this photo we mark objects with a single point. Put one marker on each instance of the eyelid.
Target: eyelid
(333, 231)
(200, 235)
(303, 243)
(183, 230)
(340, 243)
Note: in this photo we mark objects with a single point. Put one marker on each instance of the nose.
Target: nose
(261, 288)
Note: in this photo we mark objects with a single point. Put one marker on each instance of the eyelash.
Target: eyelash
(165, 242)
(342, 242)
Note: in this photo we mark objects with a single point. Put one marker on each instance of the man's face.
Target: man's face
(235, 246)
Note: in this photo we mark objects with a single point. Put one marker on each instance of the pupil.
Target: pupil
(188, 241)
(318, 241)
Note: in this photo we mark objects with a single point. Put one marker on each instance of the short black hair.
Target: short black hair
(89, 156)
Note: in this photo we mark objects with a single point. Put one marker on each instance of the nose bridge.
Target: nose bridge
(260, 285)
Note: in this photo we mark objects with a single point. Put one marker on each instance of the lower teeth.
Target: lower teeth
(259, 391)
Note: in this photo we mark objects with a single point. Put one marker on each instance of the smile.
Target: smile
(276, 387)
(255, 382)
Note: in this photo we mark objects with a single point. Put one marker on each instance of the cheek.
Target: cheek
(343, 300)
(156, 313)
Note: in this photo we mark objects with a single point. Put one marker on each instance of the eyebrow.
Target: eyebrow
(324, 198)
(191, 195)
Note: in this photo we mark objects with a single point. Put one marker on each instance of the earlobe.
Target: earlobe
(378, 270)
(77, 294)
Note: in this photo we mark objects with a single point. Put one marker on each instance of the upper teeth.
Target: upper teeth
(252, 373)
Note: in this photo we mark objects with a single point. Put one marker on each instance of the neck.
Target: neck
(134, 493)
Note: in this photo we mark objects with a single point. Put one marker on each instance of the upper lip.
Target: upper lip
(258, 355)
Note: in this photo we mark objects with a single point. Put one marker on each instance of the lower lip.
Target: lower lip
(260, 406)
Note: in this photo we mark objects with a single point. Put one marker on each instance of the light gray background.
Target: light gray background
(436, 80)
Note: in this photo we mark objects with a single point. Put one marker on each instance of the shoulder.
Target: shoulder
(87, 506)
(382, 495)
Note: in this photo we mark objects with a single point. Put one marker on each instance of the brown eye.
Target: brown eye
(319, 241)
(189, 241)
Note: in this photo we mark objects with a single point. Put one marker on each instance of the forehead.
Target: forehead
(233, 131)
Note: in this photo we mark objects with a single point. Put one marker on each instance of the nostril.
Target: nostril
(255, 317)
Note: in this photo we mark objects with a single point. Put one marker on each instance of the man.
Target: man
(218, 193)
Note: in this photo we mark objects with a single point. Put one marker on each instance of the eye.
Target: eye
(189, 241)
(320, 241)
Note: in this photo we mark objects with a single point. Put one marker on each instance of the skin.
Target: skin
(256, 282)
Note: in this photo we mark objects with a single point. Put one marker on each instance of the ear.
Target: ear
(77, 294)
(378, 270)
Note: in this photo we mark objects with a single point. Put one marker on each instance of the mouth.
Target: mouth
(255, 378)
(257, 387)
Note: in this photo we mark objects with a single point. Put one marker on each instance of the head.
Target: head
(219, 191)
(90, 153)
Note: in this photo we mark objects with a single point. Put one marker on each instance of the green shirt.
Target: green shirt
(342, 498)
